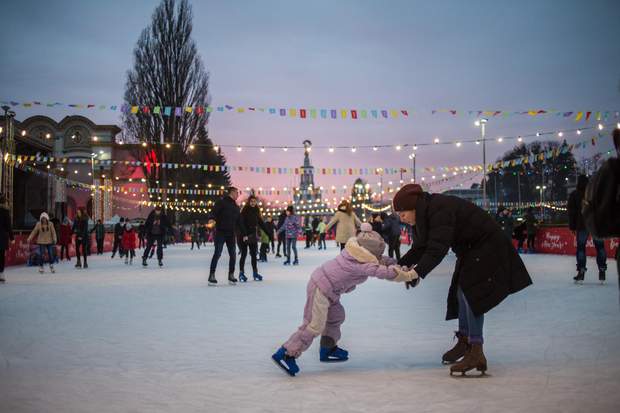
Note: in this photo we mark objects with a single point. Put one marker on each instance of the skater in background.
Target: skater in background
(264, 245)
(118, 235)
(225, 217)
(129, 243)
(6, 234)
(250, 221)
(64, 239)
(308, 232)
(520, 234)
(323, 314)
(99, 231)
(487, 270)
(141, 240)
(271, 232)
(194, 234)
(531, 227)
(82, 239)
(44, 235)
(577, 226)
(291, 230)
(391, 233)
(376, 223)
(504, 219)
(281, 235)
(156, 227)
(202, 234)
(347, 223)
(321, 229)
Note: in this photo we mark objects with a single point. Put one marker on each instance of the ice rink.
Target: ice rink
(115, 338)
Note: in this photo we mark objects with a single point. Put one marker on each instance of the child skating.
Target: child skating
(323, 314)
(44, 236)
(129, 243)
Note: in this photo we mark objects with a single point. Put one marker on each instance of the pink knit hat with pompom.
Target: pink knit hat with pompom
(370, 240)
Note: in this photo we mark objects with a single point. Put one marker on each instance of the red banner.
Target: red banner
(560, 240)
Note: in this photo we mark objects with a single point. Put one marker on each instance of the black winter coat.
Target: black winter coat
(249, 221)
(164, 224)
(488, 267)
(226, 215)
(391, 227)
(6, 230)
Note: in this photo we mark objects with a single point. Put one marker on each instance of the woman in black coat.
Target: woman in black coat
(488, 268)
(249, 221)
(6, 233)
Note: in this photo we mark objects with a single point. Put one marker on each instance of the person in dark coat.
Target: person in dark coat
(156, 228)
(281, 235)
(391, 233)
(119, 227)
(141, 236)
(577, 225)
(488, 268)
(271, 229)
(82, 239)
(225, 213)
(505, 222)
(99, 231)
(531, 227)
(376, 223)
(249, 222)
(6, 234)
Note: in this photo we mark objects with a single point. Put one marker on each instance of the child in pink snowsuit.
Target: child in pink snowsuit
(323, 313)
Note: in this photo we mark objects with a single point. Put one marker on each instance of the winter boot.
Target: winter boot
(85, 263)
(41, 269)
(286, 363)
(330, 352)
(579, 277)
(131, 261)
(78, 264)
(458, 351)
(144, 263)
(212, 280)
(278, 255)
(160, 263)
(601, 276)
(296, 262)
(257, 277)
(52, 270)
(287, 262)
(474, 359)
(242, 277)
(231, 279)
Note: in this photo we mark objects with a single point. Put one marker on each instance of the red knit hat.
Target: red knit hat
(407, 197)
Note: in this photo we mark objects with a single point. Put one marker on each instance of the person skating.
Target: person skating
(44, 236)
(129, 243)
(141, 236)
(324, 314)
(487, 270)
(390, 229)
(155, 228)
(250, 221)
(64, 240)
(264, 246)
(531, 227)
(291, 230)
(194, 233)
(99, 231)
(321, 229)
(225, 213)
(308, 232)
(82, 238)
(271, 231)
(118, 237)
(281, 235)
(347, 222)
(577, 226)
(6, 234)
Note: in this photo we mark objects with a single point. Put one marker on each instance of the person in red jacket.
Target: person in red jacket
(65, 238)
(129, 243)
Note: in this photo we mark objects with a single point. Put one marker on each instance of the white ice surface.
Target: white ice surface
(126, 339)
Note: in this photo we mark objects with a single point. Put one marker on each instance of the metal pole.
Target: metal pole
(519, 187)
(414, 171)
(484, 163)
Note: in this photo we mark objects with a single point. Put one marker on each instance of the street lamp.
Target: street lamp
(542, 199)
(482, 124)
(412, 157)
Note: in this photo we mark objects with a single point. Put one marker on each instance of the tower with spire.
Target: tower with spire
(308, 192)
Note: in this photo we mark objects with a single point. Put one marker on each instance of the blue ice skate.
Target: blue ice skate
(286, 363)
(257, 277)
(333, 355)
(242, 277)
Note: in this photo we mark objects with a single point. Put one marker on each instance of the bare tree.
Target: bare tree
(168, 72)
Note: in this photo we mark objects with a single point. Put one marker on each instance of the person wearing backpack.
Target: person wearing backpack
(577, 226)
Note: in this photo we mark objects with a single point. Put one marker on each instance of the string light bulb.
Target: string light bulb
(262, 149)
(374, 148)
(600, 126)
(578, 131)
(560, 134)
(24, 133)
(191, 147)
(216, 148)
(331, 149)
(398, 147)
(458, 144)
(354, 149)
(436, 141)
(238, 148)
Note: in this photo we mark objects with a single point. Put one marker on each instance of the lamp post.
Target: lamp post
(412, 157)
(482, 123)
(541, 188)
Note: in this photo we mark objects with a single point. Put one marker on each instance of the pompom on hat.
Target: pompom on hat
(406, 198)
(370, 240)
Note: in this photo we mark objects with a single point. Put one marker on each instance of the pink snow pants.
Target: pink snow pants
(321, 317)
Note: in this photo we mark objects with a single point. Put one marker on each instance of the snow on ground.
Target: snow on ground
(126, 339)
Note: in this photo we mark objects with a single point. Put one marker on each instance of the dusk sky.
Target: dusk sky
(464, 55)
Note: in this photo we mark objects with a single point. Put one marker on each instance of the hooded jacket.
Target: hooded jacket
(43, 234)
(347, 225)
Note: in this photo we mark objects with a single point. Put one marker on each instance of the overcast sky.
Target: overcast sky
(336, 54)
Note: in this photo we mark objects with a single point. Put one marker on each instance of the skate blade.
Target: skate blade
(334, 360)
(212, 284)
(282, 366)
(232, 283)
